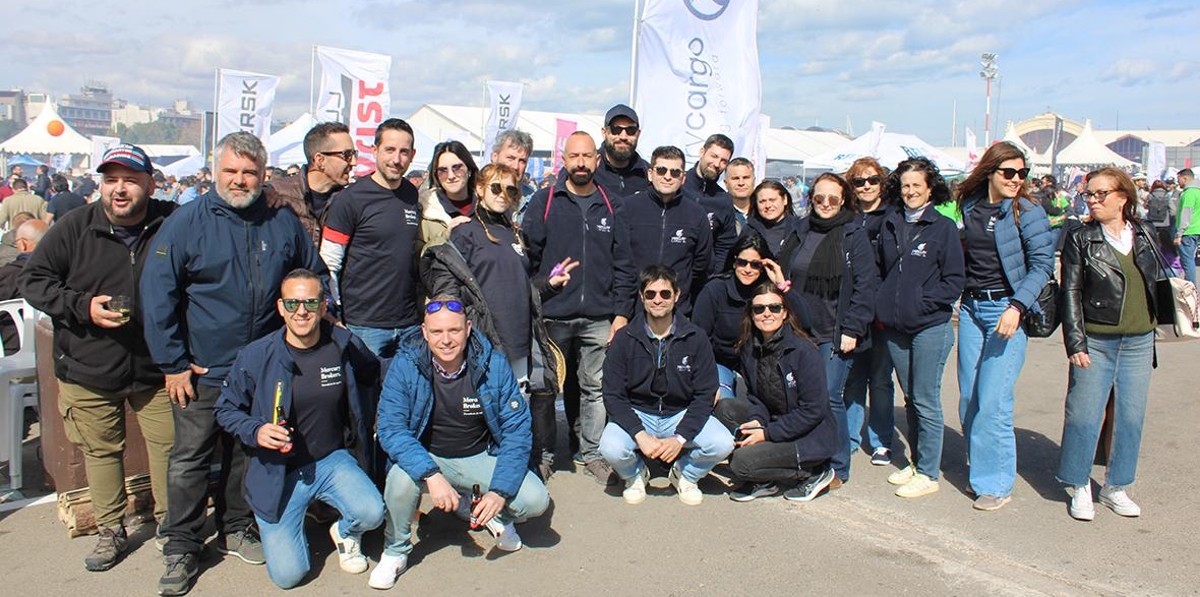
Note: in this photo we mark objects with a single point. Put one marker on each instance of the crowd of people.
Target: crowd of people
(349, 345)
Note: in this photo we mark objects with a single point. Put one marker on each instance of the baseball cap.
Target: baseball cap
(620, 110)
(130, 156)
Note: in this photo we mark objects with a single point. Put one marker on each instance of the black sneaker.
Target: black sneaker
(881, 457)
(181, 570)
(108, 550)
(600, 471)
(810, 488)
(244, 544)
(752, 491)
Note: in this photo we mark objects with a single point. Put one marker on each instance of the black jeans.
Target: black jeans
(196, 437)
(765, 462)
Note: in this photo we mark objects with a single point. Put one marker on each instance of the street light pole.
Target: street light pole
(988, 72)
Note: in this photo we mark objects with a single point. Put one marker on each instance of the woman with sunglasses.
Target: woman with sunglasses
(485, 263)
(872, 368)
(1009, 258)
(1109, 268)
(449, 200)
(923, 263)
(786, 433)
(835, 269)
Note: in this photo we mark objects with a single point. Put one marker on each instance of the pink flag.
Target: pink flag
(565, 128)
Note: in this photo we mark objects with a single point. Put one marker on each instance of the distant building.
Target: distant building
(12, 106)
(1183, 145)
(181, 115)
(125, 113)
(90, 111)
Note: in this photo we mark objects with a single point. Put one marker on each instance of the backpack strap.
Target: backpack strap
(550, 198)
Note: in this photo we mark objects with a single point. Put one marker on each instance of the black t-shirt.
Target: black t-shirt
(318, 403)
(321, 200)
(127, 234)
(457, 427)
(502, 271)
(984, 271)
(379, 228)
(63, 203)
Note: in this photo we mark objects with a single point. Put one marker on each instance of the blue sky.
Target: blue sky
(1131, 64)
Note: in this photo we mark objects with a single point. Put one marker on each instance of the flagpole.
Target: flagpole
(312, 81)
(216, 124)
(634, 53)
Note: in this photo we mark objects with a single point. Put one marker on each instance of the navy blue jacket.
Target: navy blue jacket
(557, 227)
(872, 223)
(625, 181)
(676, 234)
(808, 421)
(407, 402)
(720, 308)
(629, 369)
(718, 206)
(922, 278)
(211, 280)
(264, 368)
(1026, 251)
(860, 281)
(781, 254)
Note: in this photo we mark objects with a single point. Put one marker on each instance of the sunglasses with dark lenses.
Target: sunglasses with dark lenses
(617, 129)
(345, 154)
(310, 305)
(1009, 173)
(653, 294)
(862, 182)
(457, 169)
(827, 199)
(663, 171)
(775, 308)
(750, 263)
(435, 306)
(512, 192)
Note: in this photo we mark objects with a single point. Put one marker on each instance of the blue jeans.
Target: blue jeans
(1187, 255)
(336, 480)
(920, 360)
(403, 496)
(988, 367)
(728, 382)
(382, 341)
(1120, 364)
(872, 369)
(699, 456)
(837, 368)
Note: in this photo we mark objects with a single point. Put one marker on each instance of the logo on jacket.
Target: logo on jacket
(519, 249)
(991, 225)
(679, 238)
(410, 217)
(684, 365)
(711, 223)
(790, 379)
(919, 251)
(604, 227)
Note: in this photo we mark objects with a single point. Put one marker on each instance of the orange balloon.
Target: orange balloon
(55, 128)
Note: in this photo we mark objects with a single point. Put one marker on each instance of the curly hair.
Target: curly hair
(939, 191)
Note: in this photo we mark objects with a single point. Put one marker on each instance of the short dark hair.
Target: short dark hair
(740, 161)
(1186, 172)
(394, 124)
(719, 140)
(939, 191)
(59, 184)
(301, 273)
(848, 196)
(666, 152)
(316, 137)
(19, 184)
(458, 149)
(654, 273)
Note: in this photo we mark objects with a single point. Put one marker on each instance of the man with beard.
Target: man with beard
(739, 177)
(209, 288)
(331, 158)
(701, 186)
(622, 171)
(579, 220)
(370, 242)
(90, 258)
(513, 148)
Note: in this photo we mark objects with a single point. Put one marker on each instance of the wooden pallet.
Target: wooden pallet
(75, 507)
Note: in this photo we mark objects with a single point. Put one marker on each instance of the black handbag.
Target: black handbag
(1042, 324)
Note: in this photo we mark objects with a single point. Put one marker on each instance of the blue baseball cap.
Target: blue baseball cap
(130, 156)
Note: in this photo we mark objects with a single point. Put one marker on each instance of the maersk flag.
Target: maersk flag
(245, 102)
(505, 100)
(697, 74)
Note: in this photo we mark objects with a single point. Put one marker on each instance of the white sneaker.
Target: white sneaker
(349, 551)
(387, 570)
(635, 489)
(1118, 501)
(506, 535)
(919, 485)
(689, 492)
(1081, 504)
(902, 476)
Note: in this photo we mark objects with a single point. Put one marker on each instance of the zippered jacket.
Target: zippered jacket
(923, 277)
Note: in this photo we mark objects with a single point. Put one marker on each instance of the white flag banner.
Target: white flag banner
(504, 97)
(877, 129)
(972, 149)
(245, 102)
(759, 157)
(697, 74)
(99, 146)
(1156, 160)
(353, 89)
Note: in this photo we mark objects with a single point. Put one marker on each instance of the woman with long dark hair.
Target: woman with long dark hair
(771, 218)
(1109, 266)
(449, 199)
(1009, 258)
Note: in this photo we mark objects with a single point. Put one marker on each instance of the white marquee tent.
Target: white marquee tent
(36, 137)
(1086, 150)
(893, 148)
(286, 145)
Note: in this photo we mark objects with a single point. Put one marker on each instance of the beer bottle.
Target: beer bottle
(475, 497)
(281, 419)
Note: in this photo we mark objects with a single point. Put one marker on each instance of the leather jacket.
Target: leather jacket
(1093, 286)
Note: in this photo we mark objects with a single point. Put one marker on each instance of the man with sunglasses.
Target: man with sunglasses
(302, 402)
(370, 244)
(331, 158)
(622, 172)
(701, 186)
(659, 381)
(452, 420)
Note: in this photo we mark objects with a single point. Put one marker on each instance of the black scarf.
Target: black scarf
(825, 272)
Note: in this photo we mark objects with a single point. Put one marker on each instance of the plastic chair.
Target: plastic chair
(18, 388)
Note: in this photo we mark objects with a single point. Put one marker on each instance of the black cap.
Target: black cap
(620, 110)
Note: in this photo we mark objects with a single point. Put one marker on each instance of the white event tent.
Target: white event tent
(1086, 150)
(893, 148)
(36, 137)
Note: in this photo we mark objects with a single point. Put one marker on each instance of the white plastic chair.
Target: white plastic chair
(18, 388)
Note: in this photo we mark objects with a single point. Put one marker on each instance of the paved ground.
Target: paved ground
(860, 540)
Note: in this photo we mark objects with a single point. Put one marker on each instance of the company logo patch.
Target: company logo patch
(684, 366)
(410, 217)
(603, 226)
(518, 249)
(162, 251)
(790, 379)
(679, 238)
(919, 251)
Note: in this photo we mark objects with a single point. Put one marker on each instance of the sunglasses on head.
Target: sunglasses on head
(827, 199)
(617, 129)
(452, 305)
(511, 191)
(653, 294)
(750, 263)
(1009, 173)
(311, 305)
(345, 154)
(775, 308)
(457, 169)
(663, 171)
(862, 182)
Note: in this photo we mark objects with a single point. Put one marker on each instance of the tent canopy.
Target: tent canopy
(893, 148)
(1086, 150)
(286, 145)
(37, 137)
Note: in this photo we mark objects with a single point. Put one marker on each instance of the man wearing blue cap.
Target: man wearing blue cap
(83, 274)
